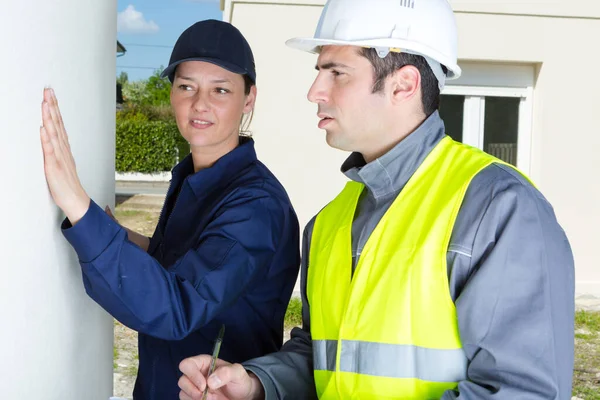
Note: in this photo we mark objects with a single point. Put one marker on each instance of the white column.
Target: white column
(55, 342)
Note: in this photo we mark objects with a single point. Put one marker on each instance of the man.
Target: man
(439, 271)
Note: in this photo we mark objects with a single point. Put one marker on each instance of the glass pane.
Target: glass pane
(501, 127)
(452, 111)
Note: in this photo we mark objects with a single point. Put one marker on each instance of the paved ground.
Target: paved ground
(143, 188)
(587, 302)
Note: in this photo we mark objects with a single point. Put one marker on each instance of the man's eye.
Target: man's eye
(185, 87)
(335, 73)
(221, 91)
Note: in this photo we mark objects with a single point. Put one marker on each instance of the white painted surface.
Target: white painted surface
(553, 8)
(55, 342)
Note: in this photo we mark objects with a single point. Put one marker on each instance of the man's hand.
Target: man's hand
(229, 381)
(59, 165)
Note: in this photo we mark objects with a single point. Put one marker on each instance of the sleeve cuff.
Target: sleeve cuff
(267, 383)
(92, 233)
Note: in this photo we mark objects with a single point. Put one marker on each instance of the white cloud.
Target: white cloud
(132, 21)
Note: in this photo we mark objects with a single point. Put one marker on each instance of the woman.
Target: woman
(226, 248)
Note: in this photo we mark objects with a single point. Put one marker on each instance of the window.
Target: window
(487, 109)
(452, 110)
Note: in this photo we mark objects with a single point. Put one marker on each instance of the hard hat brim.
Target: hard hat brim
(312, 45)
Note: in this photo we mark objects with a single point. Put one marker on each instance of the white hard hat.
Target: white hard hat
(422, 27)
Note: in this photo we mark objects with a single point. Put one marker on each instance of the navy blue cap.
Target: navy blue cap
(216, 42)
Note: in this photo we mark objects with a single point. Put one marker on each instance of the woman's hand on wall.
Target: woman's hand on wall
(59, 165)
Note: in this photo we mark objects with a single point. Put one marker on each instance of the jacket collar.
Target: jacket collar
(390, 172)
(221, 173)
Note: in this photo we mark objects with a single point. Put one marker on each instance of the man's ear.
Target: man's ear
(404, 84)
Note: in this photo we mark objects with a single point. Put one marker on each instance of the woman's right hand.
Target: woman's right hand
(228, 382)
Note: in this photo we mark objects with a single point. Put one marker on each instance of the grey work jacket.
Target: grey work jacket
(510, 271)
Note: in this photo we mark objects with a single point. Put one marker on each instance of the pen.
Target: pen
(215, 355)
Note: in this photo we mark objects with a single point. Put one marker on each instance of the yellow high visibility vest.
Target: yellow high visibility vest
(390, 330)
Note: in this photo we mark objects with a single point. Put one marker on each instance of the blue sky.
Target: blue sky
(149, 28)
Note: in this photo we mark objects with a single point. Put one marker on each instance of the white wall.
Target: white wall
(561, 8)
(565, 118)
(55, 343)
(551, 37)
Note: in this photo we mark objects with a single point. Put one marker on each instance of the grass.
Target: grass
(587, 320)
(131, 370)
(293, 315)
(588, 394)
(115, 355)
(131, 213)
(584, 336)
(586, 382)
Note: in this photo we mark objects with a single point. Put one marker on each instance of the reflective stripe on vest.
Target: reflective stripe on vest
(381, 359)
(390, 331)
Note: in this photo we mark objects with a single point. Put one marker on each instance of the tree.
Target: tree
(134, 93)
(123, 79)
(154, 91)
(158, 90)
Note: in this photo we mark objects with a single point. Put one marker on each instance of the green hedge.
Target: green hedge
(146, 146)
